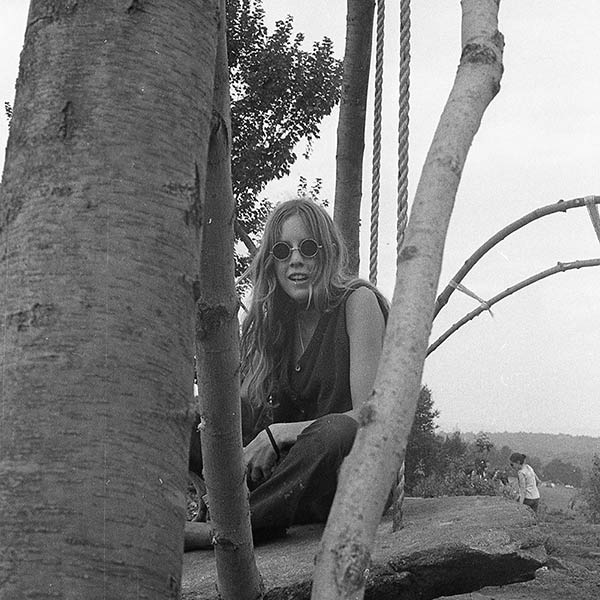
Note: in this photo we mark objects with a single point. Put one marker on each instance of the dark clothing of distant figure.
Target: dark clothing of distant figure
(532, 503)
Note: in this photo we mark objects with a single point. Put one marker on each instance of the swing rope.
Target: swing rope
(403, 119)
(376, 164)
(402, 200)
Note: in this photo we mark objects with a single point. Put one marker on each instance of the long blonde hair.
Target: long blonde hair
(264, 344)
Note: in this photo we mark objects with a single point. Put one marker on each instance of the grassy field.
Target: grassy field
(571, 535)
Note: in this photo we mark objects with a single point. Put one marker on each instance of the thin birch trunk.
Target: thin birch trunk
(218, 354)
(351, 125)
(385, 421)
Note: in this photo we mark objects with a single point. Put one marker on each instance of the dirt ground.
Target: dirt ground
(573, 546)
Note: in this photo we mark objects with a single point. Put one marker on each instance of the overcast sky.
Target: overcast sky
(534, 366)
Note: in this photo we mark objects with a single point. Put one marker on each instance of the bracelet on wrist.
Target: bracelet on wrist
(273, 442)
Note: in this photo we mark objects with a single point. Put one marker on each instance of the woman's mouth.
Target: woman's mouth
(298, 278)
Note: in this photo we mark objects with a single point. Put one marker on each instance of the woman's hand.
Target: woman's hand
(260, 458)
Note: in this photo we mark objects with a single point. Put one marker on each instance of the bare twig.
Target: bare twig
(558, 268)
(538, 213)
(243, 235)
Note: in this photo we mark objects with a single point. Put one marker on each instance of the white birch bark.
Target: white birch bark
(368, 473)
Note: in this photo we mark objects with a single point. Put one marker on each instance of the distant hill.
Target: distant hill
(576, 449)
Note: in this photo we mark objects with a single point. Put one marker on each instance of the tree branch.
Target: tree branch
(243, 235)
(559, 268)
(538, 213)
(369, 472)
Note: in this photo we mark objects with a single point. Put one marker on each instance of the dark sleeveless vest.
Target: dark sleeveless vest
(319, 382)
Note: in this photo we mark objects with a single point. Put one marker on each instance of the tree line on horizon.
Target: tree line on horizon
(432, 454)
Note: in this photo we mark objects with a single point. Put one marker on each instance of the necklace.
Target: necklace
(300, 335)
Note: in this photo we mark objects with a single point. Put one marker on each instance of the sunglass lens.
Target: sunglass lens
(309, 248)
(280, 250)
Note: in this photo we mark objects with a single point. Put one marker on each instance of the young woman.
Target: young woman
(311, 342)
(528, 480)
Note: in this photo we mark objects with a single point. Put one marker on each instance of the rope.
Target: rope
(377, 110)
(399, 498)
(402, 212)
(465, 290)
(402, 215)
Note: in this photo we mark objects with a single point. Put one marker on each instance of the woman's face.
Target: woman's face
(295, 273)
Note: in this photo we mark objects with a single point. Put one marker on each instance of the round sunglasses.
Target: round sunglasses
(308, 248)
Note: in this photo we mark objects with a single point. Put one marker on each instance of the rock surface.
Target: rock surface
(448, 546)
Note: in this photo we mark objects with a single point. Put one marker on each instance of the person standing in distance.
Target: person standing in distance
(528, 481)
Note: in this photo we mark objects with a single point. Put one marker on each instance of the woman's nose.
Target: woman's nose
(295, 256)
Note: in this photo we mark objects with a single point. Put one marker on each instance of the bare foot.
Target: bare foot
(197, 536)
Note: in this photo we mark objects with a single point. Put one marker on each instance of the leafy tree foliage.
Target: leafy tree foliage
(422, 448)
(446, 465)
(541, 448)
(563, 472)
(279, 95)
(455, 482)
(453, 451)
(483, 443)
(504, 456)
(313, 192)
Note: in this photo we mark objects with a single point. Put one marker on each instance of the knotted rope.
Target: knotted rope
(376, 164)
(403, 117)
(403, 120)
(465, 290)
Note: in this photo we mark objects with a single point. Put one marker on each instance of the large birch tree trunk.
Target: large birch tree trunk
(99, 250)
(218, 360)
(385, 421)
(351, 125)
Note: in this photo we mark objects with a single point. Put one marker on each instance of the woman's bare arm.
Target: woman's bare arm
(366, 328)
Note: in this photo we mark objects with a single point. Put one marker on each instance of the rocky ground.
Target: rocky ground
(572, 570)
(441, 549)
(447, 545)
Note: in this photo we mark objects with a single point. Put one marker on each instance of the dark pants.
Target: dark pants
(533, 504)
(303, 484)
